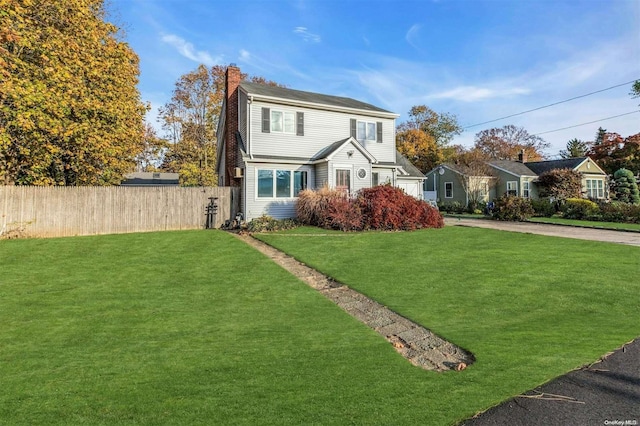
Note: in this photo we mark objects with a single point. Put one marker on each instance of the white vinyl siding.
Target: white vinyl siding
(321, 128)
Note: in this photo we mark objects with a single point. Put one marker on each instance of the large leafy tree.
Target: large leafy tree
(560, 184)
(425, 136)
(507, 142)
(190, 120)
(70, 112)
(615, 152)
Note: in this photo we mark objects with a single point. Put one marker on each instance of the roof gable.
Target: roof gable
(328, 152)
(407, 166)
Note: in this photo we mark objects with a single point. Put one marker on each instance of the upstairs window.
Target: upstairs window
(282, 122)
(366, 131)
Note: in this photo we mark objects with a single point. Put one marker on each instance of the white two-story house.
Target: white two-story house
(274, 142)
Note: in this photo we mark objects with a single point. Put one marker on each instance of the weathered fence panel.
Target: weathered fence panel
(32, 211)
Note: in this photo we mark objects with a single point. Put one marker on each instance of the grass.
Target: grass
(587, 223)
(195, 327)
(529, 307)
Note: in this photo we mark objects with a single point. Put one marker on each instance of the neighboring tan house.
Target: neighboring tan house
(274, 142)
(444, 183)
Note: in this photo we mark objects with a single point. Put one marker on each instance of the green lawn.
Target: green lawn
(587, 223)
(197, 328)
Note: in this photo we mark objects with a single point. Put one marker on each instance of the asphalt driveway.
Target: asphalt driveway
(604, 393)
(620, 237)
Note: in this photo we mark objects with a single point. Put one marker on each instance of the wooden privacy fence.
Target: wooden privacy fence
(30, 211)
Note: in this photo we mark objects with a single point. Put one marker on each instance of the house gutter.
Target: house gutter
(313, 105)
(249, 141)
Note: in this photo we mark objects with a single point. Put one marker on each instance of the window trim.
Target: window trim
(526, 189)
(597, 186)
(296, 121)
(347, 168)
(450, 189)
(377, 136)
(515, 183)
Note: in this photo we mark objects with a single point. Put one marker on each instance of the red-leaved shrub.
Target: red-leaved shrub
(382, 207)
(329, 209)
(386, 207)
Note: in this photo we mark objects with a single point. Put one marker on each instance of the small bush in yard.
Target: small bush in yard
(512, 208)
(329, 209)
(579, 208)
(619, 212)
(454, 207)
(543, 207)
(267, 223)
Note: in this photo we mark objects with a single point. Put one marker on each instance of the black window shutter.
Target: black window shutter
(353, 128)
(266, 120)
(300, 123)
(379, 132)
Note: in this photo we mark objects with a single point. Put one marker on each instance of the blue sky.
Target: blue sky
(480, 60)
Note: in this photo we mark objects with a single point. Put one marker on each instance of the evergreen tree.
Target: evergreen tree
(626, 187)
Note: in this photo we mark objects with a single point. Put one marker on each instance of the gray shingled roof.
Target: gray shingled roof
(514, 167)
(327, 151)
(404, 162)
(316, 98)
(540, 167)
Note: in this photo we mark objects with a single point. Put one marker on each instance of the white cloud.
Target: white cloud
(245, 55)
(306, 35)
(187, 50)
(473, 93)
(412, 35)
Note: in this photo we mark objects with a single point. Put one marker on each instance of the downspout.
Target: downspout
(249, 142)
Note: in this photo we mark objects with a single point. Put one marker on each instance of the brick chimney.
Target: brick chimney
(232, 81)
(522, 157)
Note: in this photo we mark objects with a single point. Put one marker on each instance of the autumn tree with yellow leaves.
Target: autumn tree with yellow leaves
(70, 111)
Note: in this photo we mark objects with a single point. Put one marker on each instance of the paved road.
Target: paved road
(605, 393)
(620, 237)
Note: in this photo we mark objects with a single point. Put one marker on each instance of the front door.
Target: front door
(343, 180)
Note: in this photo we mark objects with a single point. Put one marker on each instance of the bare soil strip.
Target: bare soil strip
(417, 344)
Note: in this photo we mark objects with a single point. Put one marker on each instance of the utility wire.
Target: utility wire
(584, 124)
(550, 105)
